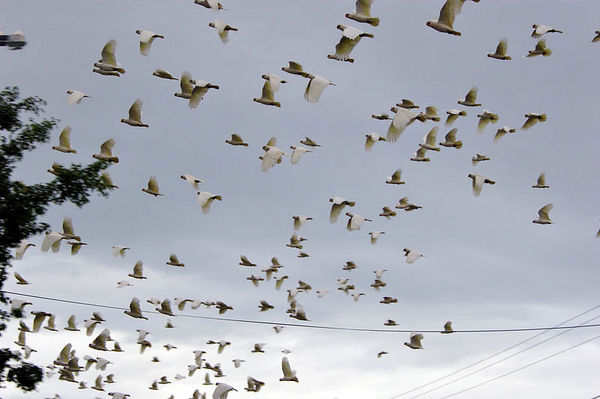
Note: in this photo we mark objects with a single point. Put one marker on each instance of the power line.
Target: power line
(498, 361)
(521, 368)
(314, 326)
(494, 354)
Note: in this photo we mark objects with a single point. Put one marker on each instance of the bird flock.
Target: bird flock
(76, 368)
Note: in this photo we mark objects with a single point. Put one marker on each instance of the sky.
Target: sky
(485, 264)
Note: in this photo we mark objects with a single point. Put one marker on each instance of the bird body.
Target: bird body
(362, 13)
(445, 21)
(411, 255)
(161, 73)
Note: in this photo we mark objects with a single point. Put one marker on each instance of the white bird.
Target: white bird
(52, 239)
(288, 373)
(146, 39)
(450, 140)
(192, 181)
(198, 92)
(532, 119)
(123, 283)
(478, 181)
(500, 53)
(445, 21)
(321, 293)
(221, 390)
(107, 181)
(338, 204)
(106, 152)
(161, 73)
(138, 271)
(205, 199)
(295, 68)
(419, 156)
(165, 308)
(540, 30)
(108, 65)
(544, 215)
(186, 84)
(272, 156)
(350, 38)
(300, 220)
(448, 328)
(453, 115)
(22, 247)
(429, 140)
(395, 178)
(540, 49)
(297, 153)
(502, 132)
(363, 13)
(134, 309)
(135, 115)
(212, 4)
(222, 29)
(485, 118)
(375, 236)
(71, 325)
(237, 363)
(315, 87)
(20, 279)
(402, 118)
(379, 273)
(152, 187)
(372, 138)
(355, 221)
(100, 341)
(75, 96)
(541, 182)
(174, 261)
(119, 250)
(415, 341)
(236, 139)
(470, 99)
(411, 255)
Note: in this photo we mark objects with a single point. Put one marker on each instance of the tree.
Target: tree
(21, 205)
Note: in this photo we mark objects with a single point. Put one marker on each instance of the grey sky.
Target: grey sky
(486, 265)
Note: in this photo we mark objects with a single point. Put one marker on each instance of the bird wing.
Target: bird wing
(267, 91)
(236, 138)
(68, 226)
(173, 258)
(186, 83)
(297, 154)
(153, 185)
(345, 47)
(477, 184)
(197, 95)
(270, 158)
(135, 111)
(134, 306)
(532, 120)
(65, 137)
(448, 13)
(471, 96)
(138, 268)
(106, 147)
(543, 213)
(540, 181)
(285, 367)
(363, 7)
(501, 49)
(402, 118)
(431, 136)
(541, 45)
(108, 52)
(314, 88)
(451, 135)
(421, 152)
(352, 33)
(166, 306)
(220, 27)
(275, 81)
(336, 210)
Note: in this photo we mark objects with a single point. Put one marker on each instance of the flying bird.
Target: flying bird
(372, 138)
(192, 180)
(395, 178)
(350, 38)
(296, 68)
(403, 117)
(205, 199)
(222, 29)
(106, 152)
(470, 99)
(500, 53)
(450, 140)
(134, 309)
(478, 181)
(540, 30)
(236, 139)
(135, 115)
(355, 221)
(411, 255)
(541, 182)
(75, 96)
(502, 132)
(315, 87)
(146, 39)
(540, 49)
(532, 119)
(445, 21)
(64, 141)
(415, 341)
(362, 13)
(161, 73)
(152, 187)
(453, 115)
(544, 215)
(108, 65)
(288, 373)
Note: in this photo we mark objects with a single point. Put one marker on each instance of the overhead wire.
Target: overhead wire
(314, 326)
(522, 367)
(494, 354)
